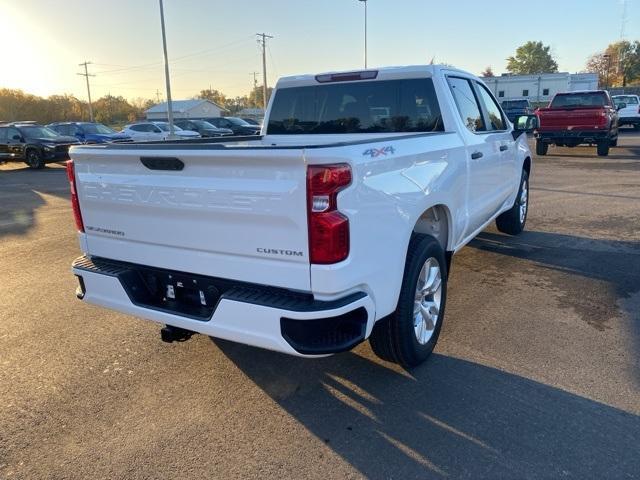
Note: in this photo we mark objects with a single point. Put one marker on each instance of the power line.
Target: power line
(86, 75)
(262, 40)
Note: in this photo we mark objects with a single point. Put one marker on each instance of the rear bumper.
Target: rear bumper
(582, 136)
(265, 317)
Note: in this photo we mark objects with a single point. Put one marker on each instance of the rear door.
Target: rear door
(503, 142)
(482, 150)
(230, 213)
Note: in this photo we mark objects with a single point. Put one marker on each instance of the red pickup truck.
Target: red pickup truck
(575, 118)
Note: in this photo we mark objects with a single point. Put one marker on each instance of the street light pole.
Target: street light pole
(172, 135)
(365, 32)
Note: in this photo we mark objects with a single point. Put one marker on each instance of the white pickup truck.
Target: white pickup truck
(337, 224)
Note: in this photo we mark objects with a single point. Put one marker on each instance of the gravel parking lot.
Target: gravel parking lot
(536, 374)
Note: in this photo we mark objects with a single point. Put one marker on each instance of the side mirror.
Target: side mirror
(620, 106)
(17, 138)
(524, 124)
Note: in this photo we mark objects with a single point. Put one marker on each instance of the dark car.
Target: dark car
(239, 126)
(204, 128)
(516, 108)
(88, 132)
(33, 144)
(251, 121)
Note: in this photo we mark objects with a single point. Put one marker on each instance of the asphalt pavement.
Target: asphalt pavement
(536, 374)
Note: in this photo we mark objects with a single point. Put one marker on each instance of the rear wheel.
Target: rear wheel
(541, 147)
(409, 335)
(34, 159)
(513, 220)
(603, 148)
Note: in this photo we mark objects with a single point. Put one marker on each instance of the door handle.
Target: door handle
(503, 148)
(476, 155)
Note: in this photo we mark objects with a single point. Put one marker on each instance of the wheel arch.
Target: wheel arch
(436, 221)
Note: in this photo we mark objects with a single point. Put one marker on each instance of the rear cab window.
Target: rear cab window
(382, 106)
(580, 100)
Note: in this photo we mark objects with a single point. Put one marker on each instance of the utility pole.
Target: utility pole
(365, 32)
(172, 135)
(86, 75)
(263, 42)
(255, 79)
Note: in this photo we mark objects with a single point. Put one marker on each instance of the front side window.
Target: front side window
(383, 106)
(467, 104)
(138, 128)
(13, 135)
(36, 132)
(496, 121)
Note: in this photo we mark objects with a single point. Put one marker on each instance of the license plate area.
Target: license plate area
(183, 294)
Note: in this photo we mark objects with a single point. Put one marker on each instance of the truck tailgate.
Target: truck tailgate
(236, 214)
(571, 119)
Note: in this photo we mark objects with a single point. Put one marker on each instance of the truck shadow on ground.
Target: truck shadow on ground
(448, 418)
(21, 196)
(585, 260)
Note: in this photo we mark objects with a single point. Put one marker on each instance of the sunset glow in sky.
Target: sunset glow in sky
(212, 42)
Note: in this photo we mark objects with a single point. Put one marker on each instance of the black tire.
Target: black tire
(614, 142)
(636, 127)
(394, 338)
(603, 148)
(511, 221)
(541, 147)
(34, 159)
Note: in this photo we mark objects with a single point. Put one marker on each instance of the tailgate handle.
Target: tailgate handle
(162, 163)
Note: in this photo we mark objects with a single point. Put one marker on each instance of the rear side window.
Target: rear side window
(467, 103)
(496, 121)
(576, 100)
(357, 107)
(626, 100)
(4, 135)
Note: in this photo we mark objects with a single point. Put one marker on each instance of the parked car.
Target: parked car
(33, 144)
(89, 132)
(575, 118)
(515, 108)
(336, 227)
(628, 110)
(251, 121)
(237, 125)
(205, 129)
(154, 131)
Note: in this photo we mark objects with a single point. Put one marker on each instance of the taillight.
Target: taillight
(328, 228)
(75, 204)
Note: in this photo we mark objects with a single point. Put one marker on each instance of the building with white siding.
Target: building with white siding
(197, 108)
(539, 88)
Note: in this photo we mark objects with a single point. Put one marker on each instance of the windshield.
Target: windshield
(237, 121)
(357, 107)
(97, 128)
(38, 132)
(579, 100)
(630, 100)
(204, 125)
(165, 127)
(515, 104)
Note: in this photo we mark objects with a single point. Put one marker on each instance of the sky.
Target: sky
(213, 43)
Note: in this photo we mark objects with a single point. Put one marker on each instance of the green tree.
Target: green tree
(532, 58)
(256, 95)
(618, 65)
(213, 95)
(488, 72)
